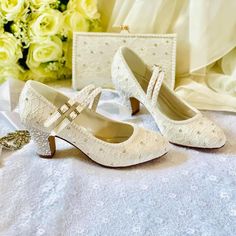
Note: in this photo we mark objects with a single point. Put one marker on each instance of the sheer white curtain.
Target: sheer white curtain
(206, 29)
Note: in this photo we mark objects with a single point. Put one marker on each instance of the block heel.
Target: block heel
(45, 143)
(135, 105)
(131, 103)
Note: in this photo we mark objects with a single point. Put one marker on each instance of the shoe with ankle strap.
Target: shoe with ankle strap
(48, 114)
(181, 123)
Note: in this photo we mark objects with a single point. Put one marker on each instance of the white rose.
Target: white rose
(46, 23)
(89, 8)
(11, 9)
(47, 50)
(10, 49)
(74, 21)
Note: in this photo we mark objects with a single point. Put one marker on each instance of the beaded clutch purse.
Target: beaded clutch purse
(93, 54)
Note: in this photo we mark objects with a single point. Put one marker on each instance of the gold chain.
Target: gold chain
(15, 140)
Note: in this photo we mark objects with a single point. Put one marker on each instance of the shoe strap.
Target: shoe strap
(154, 84)
(89, 95)
(68, 112)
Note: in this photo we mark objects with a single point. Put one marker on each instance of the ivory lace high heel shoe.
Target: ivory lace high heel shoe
(48, 114)
(181, 123)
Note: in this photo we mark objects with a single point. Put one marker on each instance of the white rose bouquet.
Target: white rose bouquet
(36, 36)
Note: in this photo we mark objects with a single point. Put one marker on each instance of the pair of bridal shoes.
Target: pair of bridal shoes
(48, 114)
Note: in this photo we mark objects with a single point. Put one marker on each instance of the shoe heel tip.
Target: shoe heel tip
(50, 156)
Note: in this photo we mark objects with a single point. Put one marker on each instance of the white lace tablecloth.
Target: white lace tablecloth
(186, 192)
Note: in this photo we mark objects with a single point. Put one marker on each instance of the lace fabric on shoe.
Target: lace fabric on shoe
(107, 142)
(157, 92)
(177, 120)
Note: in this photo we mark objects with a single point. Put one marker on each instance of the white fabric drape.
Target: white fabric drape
(206, 32)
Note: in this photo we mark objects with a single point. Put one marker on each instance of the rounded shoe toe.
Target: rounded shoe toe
(215, 138)
(155, 146)
(209, 136)
(201, 133)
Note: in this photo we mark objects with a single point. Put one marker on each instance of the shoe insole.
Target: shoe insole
(166, 102)
(100, 126)
(104, 128)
